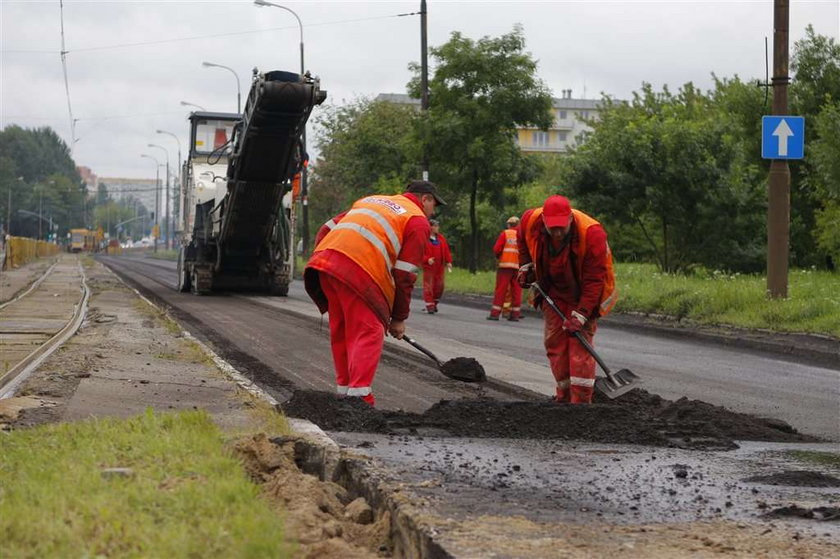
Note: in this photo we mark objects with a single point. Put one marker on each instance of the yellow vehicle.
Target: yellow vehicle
(82, 240)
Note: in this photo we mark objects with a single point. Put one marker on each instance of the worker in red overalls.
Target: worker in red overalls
(507, 252)
(566, 252)
(362, 272)
(436, 257)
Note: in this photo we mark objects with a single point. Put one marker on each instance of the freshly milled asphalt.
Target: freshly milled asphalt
(747, 381)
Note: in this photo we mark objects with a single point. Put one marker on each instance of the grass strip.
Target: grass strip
(711, 298)
(185, 494)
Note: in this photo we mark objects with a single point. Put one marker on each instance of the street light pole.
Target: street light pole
(304, 183)
(180, 171)
(166, 198)
(238, 90)
(157, 190)
(184, 103)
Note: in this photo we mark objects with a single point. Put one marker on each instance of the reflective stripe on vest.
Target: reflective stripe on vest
(582, 223)
(510, 254)
(371, 235)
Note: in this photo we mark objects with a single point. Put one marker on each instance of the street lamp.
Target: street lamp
(304, 187)
(166, 198)
(157, 189)
(238, 91)
(180, 169)
(184, 103)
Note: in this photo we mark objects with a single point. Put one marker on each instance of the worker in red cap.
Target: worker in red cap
(566, 252)
(507, 253)
(362, 272)
(436, 257)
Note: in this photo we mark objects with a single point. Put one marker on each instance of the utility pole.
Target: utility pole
(778, 196)
(424, 81)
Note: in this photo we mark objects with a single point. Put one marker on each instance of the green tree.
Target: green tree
(815, 92)
(480, 91)
(365, 147)
(36, 169)
(674, 170)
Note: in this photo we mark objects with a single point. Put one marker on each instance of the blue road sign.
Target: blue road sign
(782, 137)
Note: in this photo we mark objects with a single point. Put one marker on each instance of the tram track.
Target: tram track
(39, 320)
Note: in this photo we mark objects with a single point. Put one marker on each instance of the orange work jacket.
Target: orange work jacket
(582, 223)
(371, 235)
(510, 254)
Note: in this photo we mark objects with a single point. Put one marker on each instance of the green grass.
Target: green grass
(188, 496)
(714, 298)
(813, 457)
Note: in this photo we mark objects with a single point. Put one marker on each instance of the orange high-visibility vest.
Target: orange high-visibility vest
(582, 223)
(510, 254)
(371, 235)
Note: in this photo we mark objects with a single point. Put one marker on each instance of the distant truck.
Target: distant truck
(237, 209)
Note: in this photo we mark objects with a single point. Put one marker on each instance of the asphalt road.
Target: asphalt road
(294, 343)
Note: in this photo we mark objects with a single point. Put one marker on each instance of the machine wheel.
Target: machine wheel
(184, 282)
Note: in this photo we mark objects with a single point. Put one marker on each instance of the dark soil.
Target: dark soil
(465, 369)
(797, 478)
(816, 513)
(636, 418)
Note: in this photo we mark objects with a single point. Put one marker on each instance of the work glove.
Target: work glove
(431, 260)
(449, 267)
(526, 275)
(574, 323)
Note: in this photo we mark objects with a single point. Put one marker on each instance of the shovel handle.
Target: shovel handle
(586, 345)
(423, 350)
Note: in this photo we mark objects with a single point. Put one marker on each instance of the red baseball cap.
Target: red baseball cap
(556, 211)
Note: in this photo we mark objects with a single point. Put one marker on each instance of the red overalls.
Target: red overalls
(438, 249)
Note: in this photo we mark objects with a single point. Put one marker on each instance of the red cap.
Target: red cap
(556, 211)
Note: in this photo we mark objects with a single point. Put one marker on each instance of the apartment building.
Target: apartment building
(567, 130)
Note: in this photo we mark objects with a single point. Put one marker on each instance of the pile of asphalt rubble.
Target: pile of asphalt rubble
(638, 418)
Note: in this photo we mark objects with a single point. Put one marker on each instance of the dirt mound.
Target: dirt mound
(636, 418)
(320, 516)
(816, 513)
(797, 478)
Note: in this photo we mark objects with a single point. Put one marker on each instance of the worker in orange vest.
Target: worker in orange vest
(566, 252)
(507, 252)
(436, 256)
(362, 272)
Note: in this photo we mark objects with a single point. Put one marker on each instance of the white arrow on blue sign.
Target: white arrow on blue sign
(782, 137)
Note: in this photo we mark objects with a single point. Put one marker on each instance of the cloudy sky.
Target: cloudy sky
(130, 64)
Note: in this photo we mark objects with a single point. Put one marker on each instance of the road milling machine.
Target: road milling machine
(237, 208)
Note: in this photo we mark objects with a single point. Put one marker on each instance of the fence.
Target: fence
(20, 250)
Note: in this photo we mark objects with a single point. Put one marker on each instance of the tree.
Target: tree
(366, 147)
(480, 91)
(676, 169)
(815, 93)
(37, 169)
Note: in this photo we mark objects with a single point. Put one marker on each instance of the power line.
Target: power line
(211, 36)
(67, 83)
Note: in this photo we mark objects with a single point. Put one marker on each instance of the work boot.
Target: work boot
(512, 318)
(430, 309)
(491, 317)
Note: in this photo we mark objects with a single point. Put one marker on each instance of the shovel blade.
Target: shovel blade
(625, 381)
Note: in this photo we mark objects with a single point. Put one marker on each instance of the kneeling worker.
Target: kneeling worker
(362, 272)
(566, 252)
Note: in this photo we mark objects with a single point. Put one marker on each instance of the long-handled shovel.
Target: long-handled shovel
(465, 369)
(615, 384)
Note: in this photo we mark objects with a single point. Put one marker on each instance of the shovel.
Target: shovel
(615, 384)
(465, 369)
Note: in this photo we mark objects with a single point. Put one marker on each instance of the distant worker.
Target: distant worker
(566, 252)
(507, 252)
(362, 272)
(435, 258)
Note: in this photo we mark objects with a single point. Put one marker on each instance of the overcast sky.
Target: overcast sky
(130, 64)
